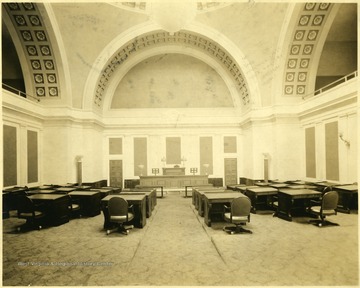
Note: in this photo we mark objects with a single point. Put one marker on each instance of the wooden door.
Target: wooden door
(115, 173)
(230, 165)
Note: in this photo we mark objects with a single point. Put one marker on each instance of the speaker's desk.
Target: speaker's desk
(174, 181)
(139, 202)
(214, 204)
(292, 200)
(55, 206)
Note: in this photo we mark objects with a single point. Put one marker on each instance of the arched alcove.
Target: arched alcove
(171, 81)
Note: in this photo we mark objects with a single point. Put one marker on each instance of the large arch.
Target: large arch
(135, 40)
(127, 66)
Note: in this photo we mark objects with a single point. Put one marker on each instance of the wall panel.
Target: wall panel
(332, 151)
(32, 157)
(206, 155)
(173, 150)
(10, 155)
(310, 151)
(140, 156)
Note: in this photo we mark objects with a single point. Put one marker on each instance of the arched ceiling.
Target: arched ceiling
(38, 53)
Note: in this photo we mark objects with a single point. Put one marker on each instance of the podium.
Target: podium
(174, 171)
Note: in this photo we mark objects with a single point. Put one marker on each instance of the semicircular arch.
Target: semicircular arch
(120, 73)
(145, 37)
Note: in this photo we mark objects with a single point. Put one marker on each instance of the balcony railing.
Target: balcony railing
(19, 93)
(332, 84)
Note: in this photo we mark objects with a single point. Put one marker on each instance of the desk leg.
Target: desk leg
(344, 202)
(207, 213)
(107, 224)
(201, 206)
(142, 214)
(284, 207)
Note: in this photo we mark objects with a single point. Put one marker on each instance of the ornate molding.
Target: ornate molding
(161, 38)
(35, 41)
(305, 37)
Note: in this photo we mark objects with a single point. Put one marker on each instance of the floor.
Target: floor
(176, 248)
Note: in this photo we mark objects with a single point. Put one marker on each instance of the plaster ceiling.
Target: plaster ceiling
(87, 28)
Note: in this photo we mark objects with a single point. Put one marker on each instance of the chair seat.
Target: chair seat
(235, 218)
(26, 215)
(317, 209)
(122, 218)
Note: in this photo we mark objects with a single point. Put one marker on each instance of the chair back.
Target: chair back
(330, 200)
(240, 206)
(326, 189)
(118, 206)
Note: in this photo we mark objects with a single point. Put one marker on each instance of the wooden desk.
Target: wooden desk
(297, 182)
(214, 204)
(150, 198)
(114, 190)
(89, 202)
(10, 197)
(243, 189)
(83, 187)
(234, 187)
(41, 191)
(174, 181)
(278, 185)
(55, 206)
(103, 192)
(199, 186)
(150, 187)
(262, 184)
(65, 190)
(139, 202)
(292, 200)
(261, 197)
(199, 191)
(348, 197)
(201, 198)
(303, 186)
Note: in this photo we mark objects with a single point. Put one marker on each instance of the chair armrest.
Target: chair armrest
(227, 208)
(131, 208)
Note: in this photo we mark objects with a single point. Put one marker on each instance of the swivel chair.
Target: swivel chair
(27, 210)
(239, 215)
(323, 190)
(328, 207)
(119, 214)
